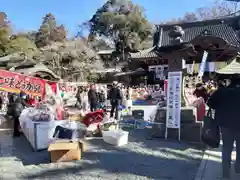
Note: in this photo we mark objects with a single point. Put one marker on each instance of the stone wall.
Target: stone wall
(190, 129)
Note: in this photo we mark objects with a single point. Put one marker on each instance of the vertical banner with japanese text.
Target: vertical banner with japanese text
(203, 64)
(173, 118)
(14, 82)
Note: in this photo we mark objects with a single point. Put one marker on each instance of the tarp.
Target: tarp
(232, 68)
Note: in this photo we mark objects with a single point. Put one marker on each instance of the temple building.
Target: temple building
(29, 67)
(219, 38)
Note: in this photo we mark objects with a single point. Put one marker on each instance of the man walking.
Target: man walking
(115, 97)
(93, 98)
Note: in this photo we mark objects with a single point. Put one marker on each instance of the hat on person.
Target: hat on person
(115, 83)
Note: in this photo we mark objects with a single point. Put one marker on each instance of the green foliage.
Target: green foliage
(50, 32)
(122, 22)
(22, 44)
(4, 38)
(92, 77)
(4, 33)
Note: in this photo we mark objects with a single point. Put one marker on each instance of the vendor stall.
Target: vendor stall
(39, 125)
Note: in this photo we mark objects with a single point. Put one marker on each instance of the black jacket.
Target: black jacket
(18, 106)
(92, 95)
(226, 103)
(115, 95)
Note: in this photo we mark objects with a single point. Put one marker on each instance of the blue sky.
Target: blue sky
(27, 14)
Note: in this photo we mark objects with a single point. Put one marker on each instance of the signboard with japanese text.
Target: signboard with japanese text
(173, 119)
(160, 71)
(14, 82)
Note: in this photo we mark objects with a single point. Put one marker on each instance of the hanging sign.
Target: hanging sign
(174, 100)
(14, 82)
(203, 64)
(160, 71)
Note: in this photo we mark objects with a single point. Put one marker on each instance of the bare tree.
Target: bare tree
(216, 9)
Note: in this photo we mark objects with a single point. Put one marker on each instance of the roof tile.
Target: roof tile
(224, 31)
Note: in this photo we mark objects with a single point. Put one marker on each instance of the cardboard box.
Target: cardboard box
(64, 151)
(81, 142)
(82, 146)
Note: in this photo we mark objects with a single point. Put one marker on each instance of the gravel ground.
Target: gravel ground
(141, 159)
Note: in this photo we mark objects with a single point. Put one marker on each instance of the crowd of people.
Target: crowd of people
(223, 99)
(226, 102)
(98, 96)
(95, 97)
(89, 98)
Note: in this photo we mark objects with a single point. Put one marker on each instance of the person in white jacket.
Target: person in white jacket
(85, 102)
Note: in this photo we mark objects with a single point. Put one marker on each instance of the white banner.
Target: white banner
(173, 119)
(203, 64)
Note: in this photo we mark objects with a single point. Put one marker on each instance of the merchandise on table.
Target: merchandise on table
(62, 132)
(40, 134)
(39, 114)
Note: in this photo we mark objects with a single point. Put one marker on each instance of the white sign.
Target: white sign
(203, 64)
(160, 71)
(174, 100)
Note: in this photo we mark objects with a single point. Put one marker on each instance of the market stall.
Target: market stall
(147, 100)
(39, 124)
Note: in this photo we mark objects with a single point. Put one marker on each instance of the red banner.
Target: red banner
(70, 87)
(14, 82)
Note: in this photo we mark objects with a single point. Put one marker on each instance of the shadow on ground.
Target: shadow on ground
(155, 159)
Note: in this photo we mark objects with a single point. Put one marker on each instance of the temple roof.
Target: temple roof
(38, 68)
(146, 53)
(225, 28)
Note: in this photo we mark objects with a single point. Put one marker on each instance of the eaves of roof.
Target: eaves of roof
(221, 28)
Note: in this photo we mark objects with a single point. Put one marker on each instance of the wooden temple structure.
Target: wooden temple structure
(23, 65)
(218, 37)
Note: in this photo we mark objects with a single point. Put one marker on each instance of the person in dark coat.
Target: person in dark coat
(11, 99)
(101, 98)
(18, 105)
(93, 98)
(115, 96)
(78, 97)
(226, 103)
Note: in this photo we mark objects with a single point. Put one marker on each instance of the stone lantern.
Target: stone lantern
(176, 52)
